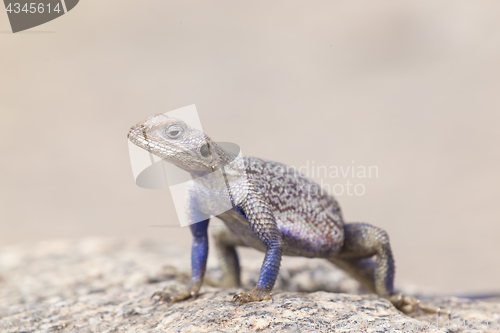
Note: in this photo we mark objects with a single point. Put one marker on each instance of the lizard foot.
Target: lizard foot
(173, 297)
(255, 295)
(409, 304)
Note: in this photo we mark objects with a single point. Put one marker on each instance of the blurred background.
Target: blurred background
(411, 87)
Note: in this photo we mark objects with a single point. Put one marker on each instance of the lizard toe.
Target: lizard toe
(410, 304)
(256, 295)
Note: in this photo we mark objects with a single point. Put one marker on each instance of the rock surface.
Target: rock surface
(104, 285)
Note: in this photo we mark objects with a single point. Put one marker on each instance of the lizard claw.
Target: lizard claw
(255, 295)
(239, 298)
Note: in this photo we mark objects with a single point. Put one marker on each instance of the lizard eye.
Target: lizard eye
(174, 131)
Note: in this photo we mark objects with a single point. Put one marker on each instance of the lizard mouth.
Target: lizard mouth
(137, 135)
(150, 143)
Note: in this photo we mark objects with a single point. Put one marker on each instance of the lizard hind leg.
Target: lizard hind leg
(361, 243)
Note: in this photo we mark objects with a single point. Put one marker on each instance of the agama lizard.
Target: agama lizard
(277, 214)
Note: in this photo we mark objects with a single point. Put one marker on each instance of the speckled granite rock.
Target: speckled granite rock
(100, 285)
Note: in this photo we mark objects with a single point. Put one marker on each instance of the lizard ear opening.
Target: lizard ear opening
(205, 150)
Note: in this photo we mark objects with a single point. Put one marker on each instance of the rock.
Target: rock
(106, 286)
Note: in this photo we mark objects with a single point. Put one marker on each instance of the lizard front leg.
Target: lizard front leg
(199, 255)
(263, 224)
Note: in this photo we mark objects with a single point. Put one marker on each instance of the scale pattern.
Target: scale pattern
(306, 216)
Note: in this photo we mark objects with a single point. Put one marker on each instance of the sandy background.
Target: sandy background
(410, 87)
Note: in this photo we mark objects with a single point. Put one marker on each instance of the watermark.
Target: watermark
(329, 178)
(24, 15)
(363, 325)
(207, 178)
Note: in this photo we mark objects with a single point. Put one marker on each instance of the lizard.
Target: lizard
(276, 212)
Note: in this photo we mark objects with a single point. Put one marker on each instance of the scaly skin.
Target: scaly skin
(275, 210)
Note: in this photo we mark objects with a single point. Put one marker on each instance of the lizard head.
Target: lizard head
(174, 141)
